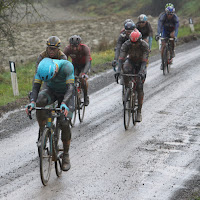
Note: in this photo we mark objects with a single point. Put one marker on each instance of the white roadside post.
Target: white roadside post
(191, 25)
(14, 78)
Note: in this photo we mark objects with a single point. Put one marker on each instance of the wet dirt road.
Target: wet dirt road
(152, 160)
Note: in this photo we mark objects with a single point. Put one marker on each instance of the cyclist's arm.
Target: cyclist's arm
(122, 56)
(176, 25)
(87, 67)
(150, 35)
(36, 88)
(118, 47)
(69, 71)
(66, 51)
(87, 59)
(38, 61)
(160, 23)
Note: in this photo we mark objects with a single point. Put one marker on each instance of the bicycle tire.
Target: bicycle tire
(127, 109)
(81, 106)
(134, 107)
(45, 156)
(165, 61)
(58, 163)
(168, 60)
(73, 120)
(123, 92)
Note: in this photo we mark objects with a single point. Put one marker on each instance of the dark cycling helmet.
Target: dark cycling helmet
(170, 10)
(169, 5)
(129, 26)
(75, 40)
(142, 18)
(128, 20)
(46, 69)
(135, 36)
(53, 41)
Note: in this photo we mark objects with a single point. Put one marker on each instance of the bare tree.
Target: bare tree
(11, 13)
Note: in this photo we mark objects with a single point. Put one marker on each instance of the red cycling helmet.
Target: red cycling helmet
(135, 36)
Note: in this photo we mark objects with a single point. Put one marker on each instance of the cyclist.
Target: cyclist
(52, 50)
(59, 76)
(145, 29)
(129, 26)
(127, 20)
(137, 51)
(168, 24)
(81, 59)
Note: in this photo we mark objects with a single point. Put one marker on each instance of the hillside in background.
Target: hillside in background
(135, 7)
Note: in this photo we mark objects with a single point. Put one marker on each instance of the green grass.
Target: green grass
(24, 78)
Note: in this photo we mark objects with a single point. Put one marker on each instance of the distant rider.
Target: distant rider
(168, 24)
(129, 26)
(52, 50)
(137, 51)
(59, 76)
(81, 59)
(145, 29)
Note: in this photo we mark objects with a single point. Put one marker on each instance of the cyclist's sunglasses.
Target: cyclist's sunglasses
(141, 22)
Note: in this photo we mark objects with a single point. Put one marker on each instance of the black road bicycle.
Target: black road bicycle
(49, 144)
(79, 102)
(166, 59)
(130, 99)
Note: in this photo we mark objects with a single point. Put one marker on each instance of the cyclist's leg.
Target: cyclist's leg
(140, 92)
(127, 69)
(84, 83)
(66, 138)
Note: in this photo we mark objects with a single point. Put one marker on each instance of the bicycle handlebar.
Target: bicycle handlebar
(44, 108)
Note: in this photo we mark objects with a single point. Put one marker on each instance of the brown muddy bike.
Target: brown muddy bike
(79, 102)
(130, 99)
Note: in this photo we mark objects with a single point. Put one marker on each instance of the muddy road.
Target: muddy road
(157, 159)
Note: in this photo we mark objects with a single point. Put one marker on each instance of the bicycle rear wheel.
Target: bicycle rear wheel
(127, 109)
(73, 120)
(81, 105)
(45, 156)
(57, 148)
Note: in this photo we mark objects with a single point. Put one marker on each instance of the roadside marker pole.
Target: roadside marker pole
(191, 25)
(14, 78)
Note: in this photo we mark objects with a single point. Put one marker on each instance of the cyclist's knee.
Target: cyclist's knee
(140, 86)
(42, 100)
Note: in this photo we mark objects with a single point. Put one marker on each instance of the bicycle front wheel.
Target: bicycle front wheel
(165, 61)
(127, 109)
(57, 149)
(75, 110)
(81, 106)
(45, 156)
